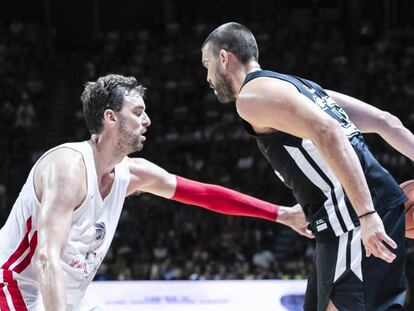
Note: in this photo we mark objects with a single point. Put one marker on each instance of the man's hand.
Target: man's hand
(295, 218)
(373, 236)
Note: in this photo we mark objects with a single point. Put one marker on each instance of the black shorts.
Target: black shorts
(353, 281)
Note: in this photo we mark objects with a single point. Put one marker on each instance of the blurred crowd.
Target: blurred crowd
(24, 56)
(194, 136)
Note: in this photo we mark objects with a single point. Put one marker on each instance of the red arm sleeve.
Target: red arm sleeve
(222, 200)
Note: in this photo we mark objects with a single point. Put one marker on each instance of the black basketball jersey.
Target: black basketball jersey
(298, 163)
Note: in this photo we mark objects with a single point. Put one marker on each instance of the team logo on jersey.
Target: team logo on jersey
(91, 261)
(310, 90)
(319, 101)
(100, 231)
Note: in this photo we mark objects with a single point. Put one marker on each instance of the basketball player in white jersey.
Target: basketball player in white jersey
(63, 222)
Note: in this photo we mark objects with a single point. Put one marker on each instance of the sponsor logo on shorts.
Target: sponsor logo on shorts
(321, 225)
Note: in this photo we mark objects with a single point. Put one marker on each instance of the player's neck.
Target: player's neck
(250, 67)
(242, 72)
(106, 154)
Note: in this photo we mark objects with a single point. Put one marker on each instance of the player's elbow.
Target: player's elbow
(41, 261)
(328, 133)
(46, 261)
(388, 122)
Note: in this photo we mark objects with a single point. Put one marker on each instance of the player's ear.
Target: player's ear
(223, 58)
(109, 117)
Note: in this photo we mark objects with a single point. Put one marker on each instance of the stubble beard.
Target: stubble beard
(129, 142)
(224, 89)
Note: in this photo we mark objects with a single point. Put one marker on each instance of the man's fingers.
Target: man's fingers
(385, 253)
(375, 246)
(370, 246)
(388, 240)
(307, 233)
(375, 239)
(379, 250)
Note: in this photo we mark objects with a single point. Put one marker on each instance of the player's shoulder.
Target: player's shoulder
(259, 94)
(61, 163)
(265, 88)
(62, 157)
(62, 173)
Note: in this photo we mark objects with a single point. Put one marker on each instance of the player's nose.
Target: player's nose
(146, 121)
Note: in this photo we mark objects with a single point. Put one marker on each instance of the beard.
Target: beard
(129, 141)
(224, 89)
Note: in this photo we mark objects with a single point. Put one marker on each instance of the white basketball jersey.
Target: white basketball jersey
(91, 233)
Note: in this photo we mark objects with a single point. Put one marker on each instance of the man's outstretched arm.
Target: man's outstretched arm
(370, 119)
(148, 177)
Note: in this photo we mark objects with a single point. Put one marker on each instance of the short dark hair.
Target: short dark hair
(235, 38)
(108, 92)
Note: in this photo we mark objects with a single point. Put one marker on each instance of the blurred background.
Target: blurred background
(49, 49)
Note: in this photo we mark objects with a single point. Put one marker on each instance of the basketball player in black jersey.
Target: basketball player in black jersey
(312, 139)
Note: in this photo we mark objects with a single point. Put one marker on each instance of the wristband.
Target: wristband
(366, 214)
